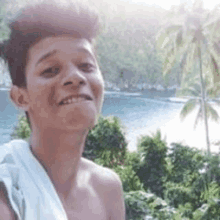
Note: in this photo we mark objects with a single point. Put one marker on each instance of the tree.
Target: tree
(153, 169)
(192, 88)
(106, 142)
(191, 36)
(184, 161)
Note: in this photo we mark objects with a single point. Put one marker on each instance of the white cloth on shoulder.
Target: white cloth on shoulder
(30, 190)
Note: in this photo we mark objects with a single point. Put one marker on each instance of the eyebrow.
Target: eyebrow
(51, 53)
(44, 57)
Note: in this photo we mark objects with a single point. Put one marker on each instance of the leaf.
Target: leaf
(199, 116)
(212, 113)
(190, 58)
(217, 102)
(162, 39)
(179, 37)
(190, 91)
(169, 61)
(188, 108)
(215, 69)
(172, 28)
(217, 47)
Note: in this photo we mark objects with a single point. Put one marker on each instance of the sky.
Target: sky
(166, 4)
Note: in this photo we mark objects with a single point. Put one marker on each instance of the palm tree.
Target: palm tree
(192, 36)
(192, 90)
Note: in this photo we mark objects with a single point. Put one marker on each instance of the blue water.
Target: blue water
(8, 116)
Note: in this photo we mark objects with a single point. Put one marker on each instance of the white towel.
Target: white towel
(30, 190)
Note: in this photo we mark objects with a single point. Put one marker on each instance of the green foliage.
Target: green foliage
(133, 159)
(126, 169)
(4, 30)
(214, 165)
(153, 170)
(106, 142)
(140, 203)
(126, 45)
(211, 193)
(184, 160)
(130, 181)
(186, 210)
(136, 203)
(177, 194)
(208, 211)
(22, 130)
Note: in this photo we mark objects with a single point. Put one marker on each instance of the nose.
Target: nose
(73, 77)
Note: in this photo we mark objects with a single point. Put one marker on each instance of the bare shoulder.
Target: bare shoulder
(109, 187)
(102, 175)
(6, 212)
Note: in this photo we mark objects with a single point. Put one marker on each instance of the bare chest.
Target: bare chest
(87, 204)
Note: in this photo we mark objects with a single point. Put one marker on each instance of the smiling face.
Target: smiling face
(64, 84)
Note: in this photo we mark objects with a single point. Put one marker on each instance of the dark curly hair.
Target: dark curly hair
(47, 19)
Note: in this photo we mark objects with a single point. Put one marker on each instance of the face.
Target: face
(64, 84)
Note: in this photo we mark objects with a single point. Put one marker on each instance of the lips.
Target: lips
(74, 98)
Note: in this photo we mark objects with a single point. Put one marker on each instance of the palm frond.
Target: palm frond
(217, 46)
(163, 39)
(189, 106)
(191, 87)
(169, 61)
(213, 90)
(179, 38)
(172, 29)
(189, 91)
(190, 58)
(199, 117)
(215, 69)
(212, 113)
(216, 101)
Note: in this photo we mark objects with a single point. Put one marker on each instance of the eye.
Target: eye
(87, 67)
(50, 72)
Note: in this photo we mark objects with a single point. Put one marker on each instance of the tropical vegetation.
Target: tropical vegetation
(159, 181)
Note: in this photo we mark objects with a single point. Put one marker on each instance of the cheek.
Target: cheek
(98, 88)
(42, 96)
(100, 95)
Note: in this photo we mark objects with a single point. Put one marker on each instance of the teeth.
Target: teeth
(72, 100)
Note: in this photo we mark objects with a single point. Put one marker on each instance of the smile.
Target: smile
(75, 99)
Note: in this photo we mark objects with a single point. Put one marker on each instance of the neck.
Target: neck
(60, 155)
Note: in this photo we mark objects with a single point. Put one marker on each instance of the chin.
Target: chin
(80, 124)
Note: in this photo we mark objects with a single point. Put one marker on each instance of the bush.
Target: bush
(161, 211)
(140, 204)
(22, 129)
(106, 141)
(208, 211)
(133, 159)
(153, 169)
(130, 180)
(136, 204)
(214, 164)
(126, 169)
(184, 160)
(177, 194)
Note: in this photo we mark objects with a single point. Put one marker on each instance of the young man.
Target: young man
(57, 82)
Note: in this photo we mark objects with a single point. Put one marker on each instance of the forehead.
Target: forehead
(66, 44)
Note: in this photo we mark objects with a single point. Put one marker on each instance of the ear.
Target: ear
(20, 97)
